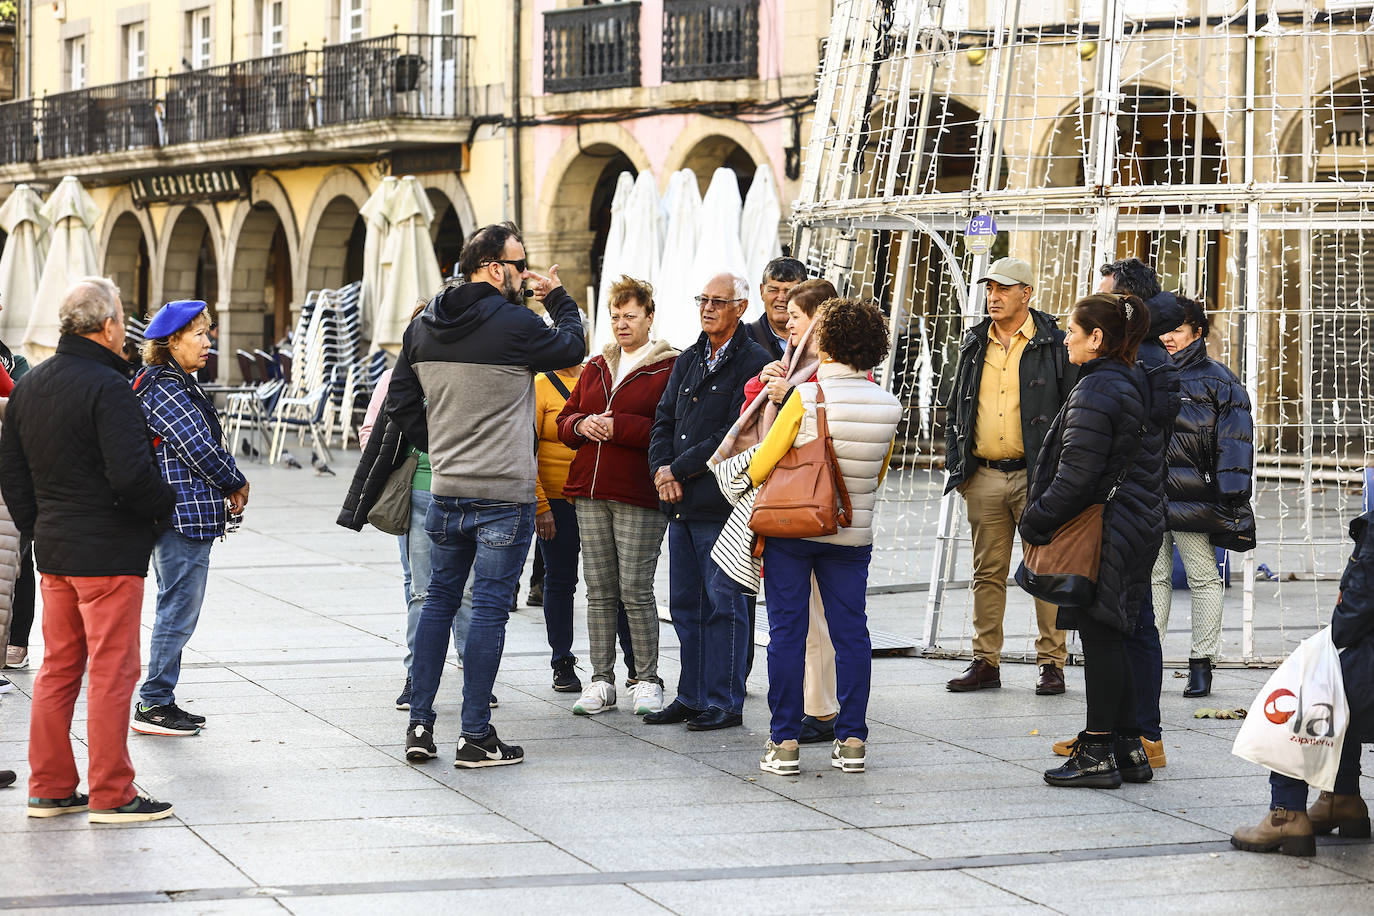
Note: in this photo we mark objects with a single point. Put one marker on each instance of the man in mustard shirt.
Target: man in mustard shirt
(1012, 377)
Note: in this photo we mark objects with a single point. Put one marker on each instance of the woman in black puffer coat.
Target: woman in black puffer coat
(1211, 472)
(1094, 453)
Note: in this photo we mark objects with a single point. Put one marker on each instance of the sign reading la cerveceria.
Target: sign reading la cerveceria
(189, 187)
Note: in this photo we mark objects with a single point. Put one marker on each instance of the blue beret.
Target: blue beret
(172, 317)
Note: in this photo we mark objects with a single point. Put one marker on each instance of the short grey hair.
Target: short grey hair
(741, 286)
(89, 303)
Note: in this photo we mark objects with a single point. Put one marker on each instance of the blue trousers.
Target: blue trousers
(560, 579)
(710, 617)
(415, 565)
(842, 577)
(1291, 794)
(490, 539)
(182, 566)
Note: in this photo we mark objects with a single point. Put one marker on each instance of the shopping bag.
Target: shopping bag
(1297, 724)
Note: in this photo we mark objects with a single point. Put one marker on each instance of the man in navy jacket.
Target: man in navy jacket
(702, 401)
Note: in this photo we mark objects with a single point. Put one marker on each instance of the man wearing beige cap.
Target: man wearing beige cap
(1013, 375)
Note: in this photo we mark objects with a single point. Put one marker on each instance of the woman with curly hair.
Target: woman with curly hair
(851, 338)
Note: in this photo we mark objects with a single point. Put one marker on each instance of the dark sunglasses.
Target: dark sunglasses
(520, 265)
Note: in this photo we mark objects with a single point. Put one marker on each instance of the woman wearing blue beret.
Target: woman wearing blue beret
(190, 450)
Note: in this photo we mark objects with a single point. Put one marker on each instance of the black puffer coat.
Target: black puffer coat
(77, 466)
(1211, 454)
(1352, 630)
(1101, 433)
(386, 450)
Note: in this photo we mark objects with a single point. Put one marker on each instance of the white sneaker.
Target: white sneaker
(598, 696)
(648, 698)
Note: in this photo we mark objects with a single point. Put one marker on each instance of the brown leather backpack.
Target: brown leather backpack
(804, 495)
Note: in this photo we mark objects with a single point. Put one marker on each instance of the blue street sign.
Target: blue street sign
(980, 234)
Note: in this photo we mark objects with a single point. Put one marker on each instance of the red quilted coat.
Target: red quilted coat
(617, 470)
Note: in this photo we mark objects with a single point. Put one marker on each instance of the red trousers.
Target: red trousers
(93, 618)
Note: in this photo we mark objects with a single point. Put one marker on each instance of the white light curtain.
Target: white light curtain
(21, 266)
(410, 269)
(378, 224)
(676, 319)
(71, 256)
(759, 232)
(640, 250)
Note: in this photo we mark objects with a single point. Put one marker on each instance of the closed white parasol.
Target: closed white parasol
(71, 213)
(410, 271)
(21, 266)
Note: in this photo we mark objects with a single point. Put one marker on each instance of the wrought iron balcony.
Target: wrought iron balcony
(260, 96)
(18, 139)
(100, 119)
(395, 76)
(591, 47)
(710, 40)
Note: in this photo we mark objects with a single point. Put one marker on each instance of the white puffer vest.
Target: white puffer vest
(9, 565)
(863, 421)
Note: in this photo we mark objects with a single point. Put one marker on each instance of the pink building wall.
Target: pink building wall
(656, 135)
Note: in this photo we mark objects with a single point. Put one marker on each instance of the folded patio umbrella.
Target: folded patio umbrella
(639, 252)
(615, 241)
(718, 224)
(21, 266)
(759, 232)
(676, 319)
(410, 269)
(71, 255)
(374, 214)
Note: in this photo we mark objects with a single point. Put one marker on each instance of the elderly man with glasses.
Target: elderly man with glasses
(704, 395)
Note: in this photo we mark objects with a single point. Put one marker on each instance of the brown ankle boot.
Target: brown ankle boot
(1348, 815)
(1290, 832)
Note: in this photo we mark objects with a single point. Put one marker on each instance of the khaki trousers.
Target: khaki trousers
(995, 501)
(820, 697)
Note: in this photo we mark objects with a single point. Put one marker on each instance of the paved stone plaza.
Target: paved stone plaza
(297, 797)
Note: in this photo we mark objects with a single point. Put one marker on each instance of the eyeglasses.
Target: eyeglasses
(520, 265)
(706, 302)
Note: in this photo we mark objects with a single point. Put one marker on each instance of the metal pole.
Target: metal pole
(1251, 315)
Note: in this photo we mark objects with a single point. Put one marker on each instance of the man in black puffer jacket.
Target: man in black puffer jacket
(79, 476)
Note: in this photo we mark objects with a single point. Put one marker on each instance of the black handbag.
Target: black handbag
(1238, 531)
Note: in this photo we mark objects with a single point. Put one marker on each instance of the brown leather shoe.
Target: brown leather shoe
(1154, 750)
(978, 676)
(1290, 832)
(1346, 814)
(1051, 680)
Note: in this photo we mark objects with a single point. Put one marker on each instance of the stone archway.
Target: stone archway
(445, 232)
(190, 255)
(263, 255)
(717, 151)
(331, 251)
(707, 143)
(127, 246)
(578, 228)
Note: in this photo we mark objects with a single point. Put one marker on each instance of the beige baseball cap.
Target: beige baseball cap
(1009, 271)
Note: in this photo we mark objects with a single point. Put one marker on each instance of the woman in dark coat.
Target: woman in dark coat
(1093, 454)
(1211, 470)
(1288, 827)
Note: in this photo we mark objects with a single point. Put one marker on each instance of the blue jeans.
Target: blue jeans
(181, 565)
(415, 564)
(1146, 659)
(1291, 794)
(711, 619)
(842, 577)
(560, 579)
(490, 539)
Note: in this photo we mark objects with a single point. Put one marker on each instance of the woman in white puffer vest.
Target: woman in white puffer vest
(852, 338)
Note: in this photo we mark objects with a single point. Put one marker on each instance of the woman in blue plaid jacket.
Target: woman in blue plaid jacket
(190, 450)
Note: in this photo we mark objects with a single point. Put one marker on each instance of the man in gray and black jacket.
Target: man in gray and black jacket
(463, 391)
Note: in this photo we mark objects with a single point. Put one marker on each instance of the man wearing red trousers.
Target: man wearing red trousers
(78, 474)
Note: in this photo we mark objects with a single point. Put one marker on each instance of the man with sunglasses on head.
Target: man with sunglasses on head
(702, 400)
(463, 391)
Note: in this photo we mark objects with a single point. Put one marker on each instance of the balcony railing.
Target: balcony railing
(710, 40)
(396, 76)
(419, 76)
(18, 139)
(265, 95)
(100, 119)
(591, 47)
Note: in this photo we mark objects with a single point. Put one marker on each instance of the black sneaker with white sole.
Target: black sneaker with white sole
(139, 808)
(162, 720)
(488, 752)
(189, 716)
(420, 742)
(403, 701)
(565, 679)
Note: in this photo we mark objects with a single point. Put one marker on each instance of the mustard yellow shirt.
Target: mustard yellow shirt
(555, 458)
(783, 435)
(997, 426)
